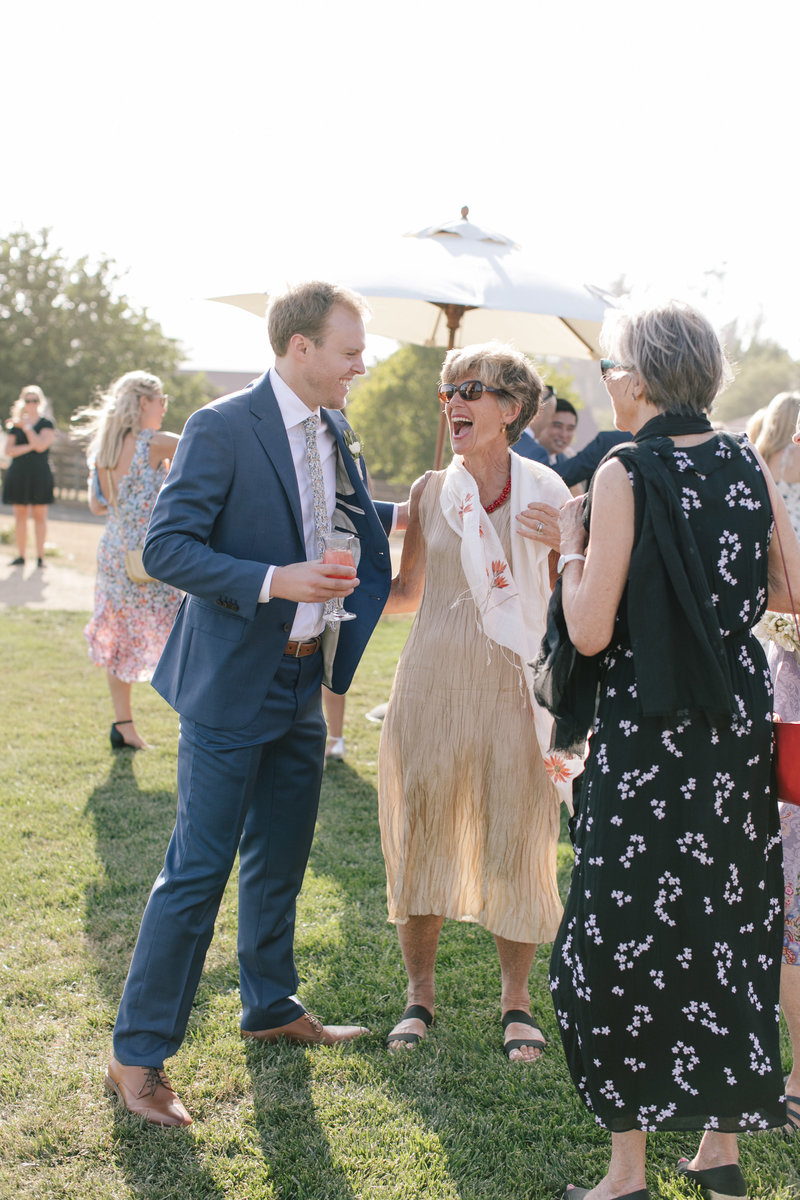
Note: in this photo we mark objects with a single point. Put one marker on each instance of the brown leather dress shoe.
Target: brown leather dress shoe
(146, 1092)
(308, 1030)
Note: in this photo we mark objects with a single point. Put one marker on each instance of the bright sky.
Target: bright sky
(199, 145)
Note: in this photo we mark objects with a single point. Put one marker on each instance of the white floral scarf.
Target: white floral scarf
(511, 598)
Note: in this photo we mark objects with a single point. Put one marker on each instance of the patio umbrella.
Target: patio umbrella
(455, 284)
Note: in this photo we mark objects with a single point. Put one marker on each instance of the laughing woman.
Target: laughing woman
(469, 813)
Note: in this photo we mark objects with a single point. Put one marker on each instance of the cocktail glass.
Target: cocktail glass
(338, 548)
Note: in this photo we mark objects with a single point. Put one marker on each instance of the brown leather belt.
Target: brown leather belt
(303, 649)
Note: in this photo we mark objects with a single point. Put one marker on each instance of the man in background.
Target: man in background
(528, 443)
(557, 435)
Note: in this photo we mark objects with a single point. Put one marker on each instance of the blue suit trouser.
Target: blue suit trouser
(255, 791)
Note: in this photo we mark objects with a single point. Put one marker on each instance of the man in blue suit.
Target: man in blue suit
(528, 444)
(235, 528)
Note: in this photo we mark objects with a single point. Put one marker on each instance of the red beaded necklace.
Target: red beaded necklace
(501, 499)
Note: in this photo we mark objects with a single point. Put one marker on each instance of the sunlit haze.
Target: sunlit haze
(205, 148)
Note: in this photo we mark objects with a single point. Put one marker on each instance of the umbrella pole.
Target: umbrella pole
(454, 313)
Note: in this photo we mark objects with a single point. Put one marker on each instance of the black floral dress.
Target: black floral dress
(665, 971)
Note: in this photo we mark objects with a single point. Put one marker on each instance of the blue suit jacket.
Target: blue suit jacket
(230, 507)
(583, 465)
(528, 447)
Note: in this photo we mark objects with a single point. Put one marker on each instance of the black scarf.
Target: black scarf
(679, 657)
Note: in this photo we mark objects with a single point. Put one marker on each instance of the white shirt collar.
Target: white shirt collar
(293, 410)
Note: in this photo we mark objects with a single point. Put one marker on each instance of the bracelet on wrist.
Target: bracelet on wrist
(565, 558)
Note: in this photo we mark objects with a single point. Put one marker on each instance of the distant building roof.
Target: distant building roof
(224, 382)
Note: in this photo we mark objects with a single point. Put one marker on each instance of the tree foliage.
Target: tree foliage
(395, 411)
(762, 369)
(64, 327)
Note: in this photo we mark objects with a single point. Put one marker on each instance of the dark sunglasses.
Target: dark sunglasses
(471, 389)
(608, 364)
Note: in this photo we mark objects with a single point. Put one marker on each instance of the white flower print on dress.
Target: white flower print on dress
(627, 952)
(686, 1059)
(669, 890)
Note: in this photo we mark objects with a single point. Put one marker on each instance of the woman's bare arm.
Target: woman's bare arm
(162, 447)
(592, 590)
(407, 585)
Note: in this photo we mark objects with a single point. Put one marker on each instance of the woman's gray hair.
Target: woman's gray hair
(504, 367)
(676, 352)
(115, 414)
(778, 424)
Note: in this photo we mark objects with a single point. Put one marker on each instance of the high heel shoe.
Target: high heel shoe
(718, 1183)
(117, 740)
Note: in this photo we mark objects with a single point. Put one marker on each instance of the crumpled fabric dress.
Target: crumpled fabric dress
(469, 818)
(131, 621)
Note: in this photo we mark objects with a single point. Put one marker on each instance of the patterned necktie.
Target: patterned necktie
(321, 522)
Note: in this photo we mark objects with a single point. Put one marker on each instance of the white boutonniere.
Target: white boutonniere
(353, 443)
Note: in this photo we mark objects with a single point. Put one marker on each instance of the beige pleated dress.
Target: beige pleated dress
(469, 819)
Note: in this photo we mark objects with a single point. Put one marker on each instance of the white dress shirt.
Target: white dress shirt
(308, 618)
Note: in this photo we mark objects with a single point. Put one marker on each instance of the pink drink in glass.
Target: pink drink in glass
(344, 558)
(338, 549)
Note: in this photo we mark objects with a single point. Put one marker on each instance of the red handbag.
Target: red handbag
(786, 752)
(786, 734)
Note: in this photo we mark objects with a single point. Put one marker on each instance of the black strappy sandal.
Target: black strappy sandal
(415, 1012)
(517, 1014)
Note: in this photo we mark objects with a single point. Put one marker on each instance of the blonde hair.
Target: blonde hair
(503, 367)
(754, 424)
(18, 407)
(115, 414)
(779, 423)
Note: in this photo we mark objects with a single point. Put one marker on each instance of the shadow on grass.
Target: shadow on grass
(132, 830)
(292, 1140)
(504, 1129)
(161, 1164)
(501, 1131)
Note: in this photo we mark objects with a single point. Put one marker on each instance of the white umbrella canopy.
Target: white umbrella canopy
(457, 284)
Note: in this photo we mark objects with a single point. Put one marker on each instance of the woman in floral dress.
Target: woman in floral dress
(128, 457)
(665, 972)
(778, 444)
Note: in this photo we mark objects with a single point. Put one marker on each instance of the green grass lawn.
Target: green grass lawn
(83, 833)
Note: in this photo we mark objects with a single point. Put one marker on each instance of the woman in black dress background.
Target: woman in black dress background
(28, 483)
(665, 971)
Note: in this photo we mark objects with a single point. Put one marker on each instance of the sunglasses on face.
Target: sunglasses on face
(607, 365)
(471, 389)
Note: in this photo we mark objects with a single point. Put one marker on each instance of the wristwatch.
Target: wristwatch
(565, 558)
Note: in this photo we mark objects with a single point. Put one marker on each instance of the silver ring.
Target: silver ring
(539, 527)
